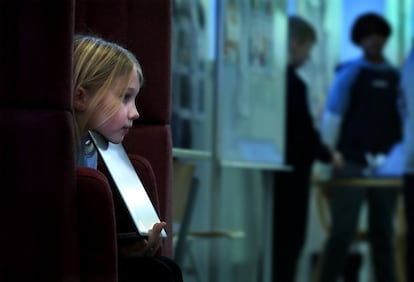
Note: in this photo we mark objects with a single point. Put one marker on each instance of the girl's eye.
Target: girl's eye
(127, 97)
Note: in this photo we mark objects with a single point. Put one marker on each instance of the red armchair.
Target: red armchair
(102, 215)
(41, 210)
(143, 27)
(39, 238)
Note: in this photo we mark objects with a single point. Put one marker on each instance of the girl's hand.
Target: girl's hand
(338, 160)
(154, 239)
(145, 247)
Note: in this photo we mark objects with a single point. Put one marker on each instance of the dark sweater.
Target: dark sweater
(303, 142)
(372, 123)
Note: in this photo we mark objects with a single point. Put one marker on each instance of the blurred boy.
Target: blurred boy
(362, 121)
(303, 146)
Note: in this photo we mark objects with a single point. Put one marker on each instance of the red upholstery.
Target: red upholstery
(143, 27)
(97, 236)
(37, 169)
(38, 200)
(101, 214)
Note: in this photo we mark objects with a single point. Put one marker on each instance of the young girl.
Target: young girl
(106, 81)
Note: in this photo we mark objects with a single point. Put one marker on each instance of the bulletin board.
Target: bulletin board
(251, 83)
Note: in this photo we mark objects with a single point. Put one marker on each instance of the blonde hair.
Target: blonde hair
(98, 66)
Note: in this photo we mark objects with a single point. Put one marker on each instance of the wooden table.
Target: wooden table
(322, 198)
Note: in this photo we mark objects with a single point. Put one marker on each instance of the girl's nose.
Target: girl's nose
(133, 114)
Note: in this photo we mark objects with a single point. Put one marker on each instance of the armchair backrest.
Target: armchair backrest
(37, 168)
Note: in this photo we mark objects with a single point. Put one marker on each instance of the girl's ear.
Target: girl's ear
(80, 100)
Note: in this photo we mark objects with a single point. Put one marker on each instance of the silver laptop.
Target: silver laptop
(127, 182)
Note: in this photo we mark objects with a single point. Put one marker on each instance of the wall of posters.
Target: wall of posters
(251, 83)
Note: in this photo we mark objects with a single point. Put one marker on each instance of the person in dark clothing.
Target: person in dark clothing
(362, 121)
(303, 147)
(407, 91)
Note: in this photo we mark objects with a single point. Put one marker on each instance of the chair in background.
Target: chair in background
(185, 192)
(185, 187)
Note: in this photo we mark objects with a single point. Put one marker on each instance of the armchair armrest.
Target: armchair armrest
(97, 236)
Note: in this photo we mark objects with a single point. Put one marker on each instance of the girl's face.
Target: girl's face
(117, 126)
